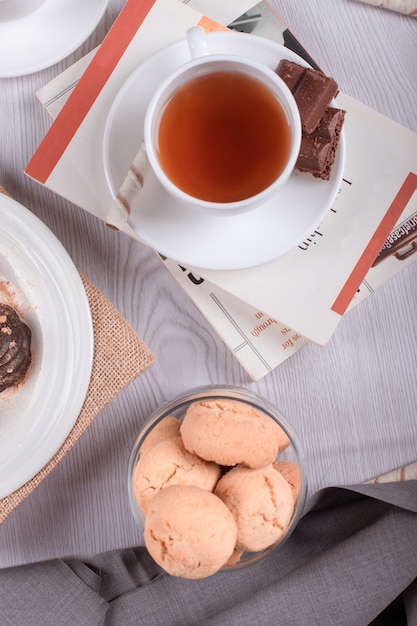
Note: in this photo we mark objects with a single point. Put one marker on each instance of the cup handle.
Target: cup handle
(197, 42)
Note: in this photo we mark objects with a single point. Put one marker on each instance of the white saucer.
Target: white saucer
(215, 242)
(48, 35)
(39, 279)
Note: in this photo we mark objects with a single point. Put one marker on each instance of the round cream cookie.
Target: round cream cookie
(189, 531)
(167, 428)
(230, 432)
(261, 502)
(169, 463)
(291, 472)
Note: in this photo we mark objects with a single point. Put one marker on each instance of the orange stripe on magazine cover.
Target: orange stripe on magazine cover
(370, 253)
(88, 89)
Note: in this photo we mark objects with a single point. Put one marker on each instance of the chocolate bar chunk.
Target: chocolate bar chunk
(314, 152)
(312, 91)
(330, 123)
(318, 149)
(313, 95)
(290, 73)
(321, 123)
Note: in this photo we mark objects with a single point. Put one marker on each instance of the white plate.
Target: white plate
(39, 279)
(48, 35)
(216, 242)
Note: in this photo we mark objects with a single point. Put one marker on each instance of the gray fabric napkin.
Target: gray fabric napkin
(351, 561)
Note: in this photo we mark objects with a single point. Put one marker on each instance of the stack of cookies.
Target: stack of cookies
(210, 487)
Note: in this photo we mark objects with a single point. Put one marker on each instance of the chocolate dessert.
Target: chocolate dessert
(318, 149)
(15, 354)
(321, 123)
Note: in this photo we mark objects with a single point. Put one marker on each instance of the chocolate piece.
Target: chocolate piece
(312, 90)
(321, 123)
(318, 149)
(313, 95)
(314, 152)
(330, 123)
(290, 73)
(15, 354)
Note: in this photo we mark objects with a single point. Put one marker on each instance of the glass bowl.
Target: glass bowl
(178, 407)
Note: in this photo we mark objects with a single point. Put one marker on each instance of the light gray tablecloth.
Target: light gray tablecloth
(351, 561)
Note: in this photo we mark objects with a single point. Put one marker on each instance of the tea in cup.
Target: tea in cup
(222, 132)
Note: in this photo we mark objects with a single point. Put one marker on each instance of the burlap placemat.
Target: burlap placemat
(114, 367)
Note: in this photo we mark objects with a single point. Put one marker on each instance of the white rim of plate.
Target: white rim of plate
(48, 35)
(34, 426)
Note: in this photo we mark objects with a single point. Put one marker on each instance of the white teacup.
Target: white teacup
(16, 9)
(222, 132)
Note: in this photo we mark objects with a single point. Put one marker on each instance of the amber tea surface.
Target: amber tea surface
(223, 137)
